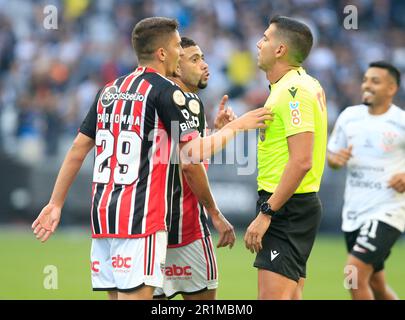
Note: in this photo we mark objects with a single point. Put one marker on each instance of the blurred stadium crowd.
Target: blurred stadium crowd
(48, 78)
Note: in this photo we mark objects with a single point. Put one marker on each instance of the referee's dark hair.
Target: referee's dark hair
(150, 34)
(187, 42)
(394, 72)
(297, 34)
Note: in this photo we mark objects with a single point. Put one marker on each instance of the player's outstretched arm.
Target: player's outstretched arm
(197, 179)
(202, 148)
(48, 219)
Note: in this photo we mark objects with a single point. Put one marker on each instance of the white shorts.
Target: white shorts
(189, 269)
(128, 264)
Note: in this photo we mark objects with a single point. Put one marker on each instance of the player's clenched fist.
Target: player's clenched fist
(397, 182)
(340, 158)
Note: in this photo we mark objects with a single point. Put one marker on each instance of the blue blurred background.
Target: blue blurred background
(48, 79)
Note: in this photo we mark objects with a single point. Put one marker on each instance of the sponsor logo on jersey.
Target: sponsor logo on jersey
(359, 249)
(192, 121)
(356, 174)
(178, 271)
(111, 94)
(360, 178)
(119, 262)
(95, 266)
(365, 184)
(295, 113)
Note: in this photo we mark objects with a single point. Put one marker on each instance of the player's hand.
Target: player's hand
(225, 229)
(253, 119)
(224, 116)
(340, 158)
(47, 222)
(255, 232)
(397, 182)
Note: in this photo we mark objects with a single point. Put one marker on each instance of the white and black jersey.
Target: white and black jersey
(378, 153)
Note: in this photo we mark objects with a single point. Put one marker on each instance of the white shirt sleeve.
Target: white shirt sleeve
(338, 139)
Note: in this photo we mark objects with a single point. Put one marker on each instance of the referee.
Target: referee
(291, 157)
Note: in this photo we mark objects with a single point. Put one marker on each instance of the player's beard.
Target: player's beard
(202, 85)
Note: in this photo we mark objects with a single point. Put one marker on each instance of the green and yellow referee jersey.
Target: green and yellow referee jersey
(298, 103)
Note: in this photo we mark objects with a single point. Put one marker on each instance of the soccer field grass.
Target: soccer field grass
(23, 260)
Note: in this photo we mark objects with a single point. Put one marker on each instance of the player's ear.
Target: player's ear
(392, 89)
(177, 72)
(161, 54)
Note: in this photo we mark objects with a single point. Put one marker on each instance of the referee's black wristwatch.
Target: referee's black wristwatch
(266, 209)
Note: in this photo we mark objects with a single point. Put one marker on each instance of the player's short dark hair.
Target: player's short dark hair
(298, 35)
(150, 34)
(394, 72)
(187, 42)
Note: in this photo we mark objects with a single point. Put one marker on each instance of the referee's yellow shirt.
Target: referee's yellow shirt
(298, 103)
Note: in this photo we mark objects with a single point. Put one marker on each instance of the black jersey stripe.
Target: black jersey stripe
(97, 197)
(169, 193)
(144, 171)
(203, 221)
(177, 196)
(135, 210)
(175, 235)
(117, 188)
(100, 187)
(210, 257)
(109, 125)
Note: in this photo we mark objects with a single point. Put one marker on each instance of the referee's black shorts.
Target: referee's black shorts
(291, 235)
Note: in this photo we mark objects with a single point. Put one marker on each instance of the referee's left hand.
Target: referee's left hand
(255, 232)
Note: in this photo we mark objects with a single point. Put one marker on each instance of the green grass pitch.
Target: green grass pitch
(23, 260)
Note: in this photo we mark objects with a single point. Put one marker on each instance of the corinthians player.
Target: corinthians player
(370, 140)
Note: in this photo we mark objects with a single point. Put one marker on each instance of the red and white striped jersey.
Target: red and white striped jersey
(135, 122)
(189, 219)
